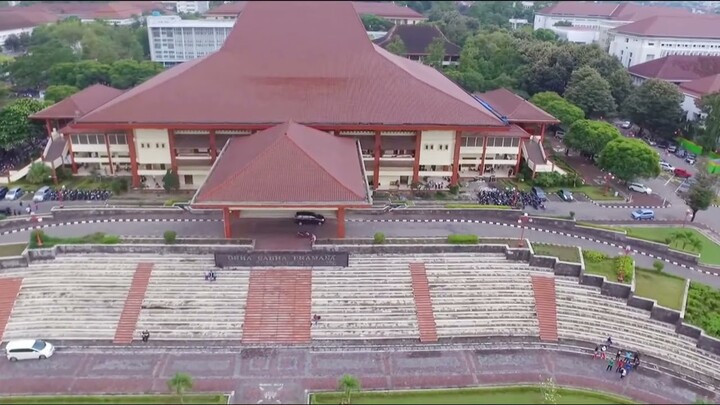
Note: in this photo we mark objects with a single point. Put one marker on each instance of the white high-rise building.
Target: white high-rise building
(190, 7)
(174, 40)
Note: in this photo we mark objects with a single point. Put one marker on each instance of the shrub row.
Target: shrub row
(97, 238)
(624, 268)
(593, 256)
(462, 239)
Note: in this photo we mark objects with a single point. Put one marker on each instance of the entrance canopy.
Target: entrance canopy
(288, 165)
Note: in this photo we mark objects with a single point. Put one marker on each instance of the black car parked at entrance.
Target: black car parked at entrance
(307, 217)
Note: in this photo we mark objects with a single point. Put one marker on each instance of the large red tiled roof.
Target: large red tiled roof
(611, 11)
(12, 18)
(361, 7)
(514, 107)
(700, 87)
(678, 68)
(317, 78)
(79, 103)
(87, 10)
(286, 164)
(693, 26)
(417, 38)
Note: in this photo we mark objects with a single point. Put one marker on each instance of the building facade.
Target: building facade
(190, 7)
(174, 40)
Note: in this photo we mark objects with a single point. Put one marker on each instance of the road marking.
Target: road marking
(532, 228)
(270, 392)
(109, 220)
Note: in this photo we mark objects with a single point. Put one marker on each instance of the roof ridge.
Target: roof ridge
(237, 173)
(334, 177)
(388, 60)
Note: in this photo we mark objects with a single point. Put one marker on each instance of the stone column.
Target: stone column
(227, 222)
(341, 223)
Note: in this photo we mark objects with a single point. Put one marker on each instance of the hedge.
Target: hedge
(624, 268)
(462, 239)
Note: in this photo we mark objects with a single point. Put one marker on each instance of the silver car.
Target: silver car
(639, 188)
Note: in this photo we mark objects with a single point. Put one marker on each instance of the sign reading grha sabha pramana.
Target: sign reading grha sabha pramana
(282, 259)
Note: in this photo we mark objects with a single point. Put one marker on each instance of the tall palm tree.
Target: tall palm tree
(180, 383)
(347, 384)
(694, 243)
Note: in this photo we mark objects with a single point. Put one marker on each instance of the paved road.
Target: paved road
(290, 373)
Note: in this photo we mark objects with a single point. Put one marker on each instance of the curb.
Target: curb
(99, 221)
(473, 221)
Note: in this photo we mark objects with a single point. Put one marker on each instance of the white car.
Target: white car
(28, 349)
(639, 188)
(667, 166)
(626, 125)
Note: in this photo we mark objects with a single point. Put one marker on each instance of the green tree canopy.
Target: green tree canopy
(30, 71)
(435, 53)
(710, 124)
(544, 34)
(702, 193)
(38, 173)
(128, 73)
(456, 27)
(620, 85)
(558, 107)
(629, 159)
(589, 91)
(347, 384)
(15, 126)
(375, 23)
(80, 74)
(495, 57)
(590, 136)
(397, 46)
(655, 105)
(55, 94)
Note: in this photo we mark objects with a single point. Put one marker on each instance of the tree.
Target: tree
(701, 193)
(684, 240)
(589, 91)
(4, 94)
(544, 34)
(456, 27)
(655, 105)
(435, 53)
(621, 86)
(629, 158)
(55, 94)
(347, 384)
(397, 46)
(128, 73)
(171, 181)
(710, 106)
(492, 57)
(80, 74)
(38, 173)
(375, 23)
(590, 137)
(30, 71)
(15, 126)
(180, 383)
(558, 107)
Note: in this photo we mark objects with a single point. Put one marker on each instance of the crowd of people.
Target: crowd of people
(623, 362)
(510, 197)
(21, 155)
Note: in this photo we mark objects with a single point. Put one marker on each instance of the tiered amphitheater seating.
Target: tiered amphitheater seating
(371, 299)
(70, 298)
(584, 314)
(481, 294)
(180, 305)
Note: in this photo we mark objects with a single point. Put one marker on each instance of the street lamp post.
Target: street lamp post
(524, 219)
(688, 212)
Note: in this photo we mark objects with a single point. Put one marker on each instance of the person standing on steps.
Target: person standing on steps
(611, 363)
(145, 336)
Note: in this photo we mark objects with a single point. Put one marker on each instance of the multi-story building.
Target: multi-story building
(190, 7)
(590, 22)
(411, 123)
(655, 37)
(693, 91)
(174, 40)
(676, 69)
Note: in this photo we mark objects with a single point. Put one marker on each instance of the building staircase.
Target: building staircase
(423, 303)
(133, 304)
(9, 290)
(546, 306)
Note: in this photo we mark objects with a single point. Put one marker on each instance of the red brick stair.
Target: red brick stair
(278, 307)
(423, 303)
(133, 304)
(9, 290)
(546, 307)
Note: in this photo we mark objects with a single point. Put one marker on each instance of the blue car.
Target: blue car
(643, 214)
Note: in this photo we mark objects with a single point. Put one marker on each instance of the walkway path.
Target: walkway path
(284, 375)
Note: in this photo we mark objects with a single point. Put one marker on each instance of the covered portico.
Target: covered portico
(268, 176)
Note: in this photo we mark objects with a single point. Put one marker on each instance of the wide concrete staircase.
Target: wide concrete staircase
(181, 305)
(72, 297)
(584, 314)
(370, 299)
(481, 294)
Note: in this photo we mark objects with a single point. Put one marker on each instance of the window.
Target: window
(188, 179)
(651, 43)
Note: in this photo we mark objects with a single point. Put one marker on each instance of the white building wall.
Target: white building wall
(692, 111)
(152, 146)
(190, 7)
(437, 148)
(632, 49)
(5, 34)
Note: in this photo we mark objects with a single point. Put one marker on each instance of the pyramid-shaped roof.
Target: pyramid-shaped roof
(79, 103)
(702, 86)
(284, 165)
(514, 107)
(417, 38)
(320, 68)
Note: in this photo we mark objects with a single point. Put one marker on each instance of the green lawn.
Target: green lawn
(564, 253)
(117, 399)
(710, 252)
(97, 238)
(604, 268)
(600, 226)
(666, 289)
(12, 250)
(505, 395)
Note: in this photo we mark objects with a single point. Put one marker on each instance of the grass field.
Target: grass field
(666, 289)
(12, 249)
(117, 399)
(506, 395)
(709, 253)
(564, 253)
(604, 268)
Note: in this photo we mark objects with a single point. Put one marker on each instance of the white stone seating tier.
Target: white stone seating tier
(482, 295)
(69, 299)
(181, 305)
(584, 314)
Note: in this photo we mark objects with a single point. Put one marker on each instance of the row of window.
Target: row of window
(98, 139)
(477, 142)
(671, 45)
(430, 146)
(158, 145)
